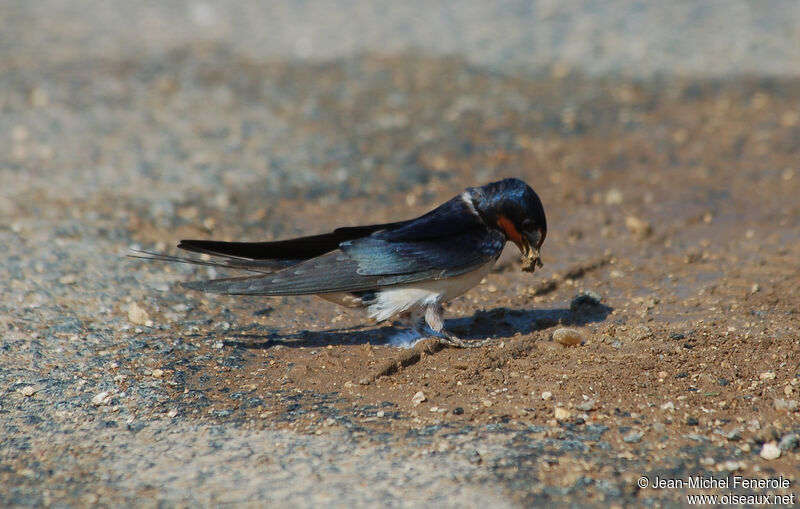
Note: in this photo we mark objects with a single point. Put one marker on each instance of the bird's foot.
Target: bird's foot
(447, 338)
(434, 317)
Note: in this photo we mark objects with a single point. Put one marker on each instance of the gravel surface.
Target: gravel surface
(663, 139)
(638, 38)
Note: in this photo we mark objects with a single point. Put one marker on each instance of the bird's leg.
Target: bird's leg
(407, 320)
(434, 316)
(413, 320)
(417, 323)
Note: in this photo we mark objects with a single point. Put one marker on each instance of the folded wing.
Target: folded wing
(369, 263)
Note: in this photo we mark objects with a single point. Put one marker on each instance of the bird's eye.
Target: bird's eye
(528, 225)
(535, 238)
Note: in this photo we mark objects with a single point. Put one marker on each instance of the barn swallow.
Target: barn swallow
(406, 269)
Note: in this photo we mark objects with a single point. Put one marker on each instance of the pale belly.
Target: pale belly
(394, 300)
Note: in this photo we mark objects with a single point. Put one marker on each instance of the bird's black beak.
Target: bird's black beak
(531, 243)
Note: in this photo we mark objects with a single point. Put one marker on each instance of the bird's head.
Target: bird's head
(511, 206)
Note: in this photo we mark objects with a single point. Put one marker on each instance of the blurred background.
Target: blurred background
(334, 99)
(632, 37)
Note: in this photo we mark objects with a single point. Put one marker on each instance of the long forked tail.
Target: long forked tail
(331, 273)
(258, 266)
(305, 265)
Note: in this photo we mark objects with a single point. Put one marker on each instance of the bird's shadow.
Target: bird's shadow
(496, 323)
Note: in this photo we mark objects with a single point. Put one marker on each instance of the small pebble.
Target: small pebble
(731, 466)
(789, 405)
(101, 398)
(67, 279)
(587, 299)
(567, 336)
(770, 451)
(562, 414)
(137, 315)
(418, 398)
(546, 395)
(633, 437)
(587, 406)
(28, 391)
(486, 402)
(640, 332)
(380, 413)
(157, 373)
(767, 375)
(734, 434)
(614, 196)
(789, 442)
(638, 226)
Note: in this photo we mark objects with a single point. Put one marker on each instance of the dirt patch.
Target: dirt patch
(673, 250)
(675, 203)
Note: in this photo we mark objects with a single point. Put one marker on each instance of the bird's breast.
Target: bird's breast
(393, 300)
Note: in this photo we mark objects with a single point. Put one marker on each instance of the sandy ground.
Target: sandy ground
(673, 250)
